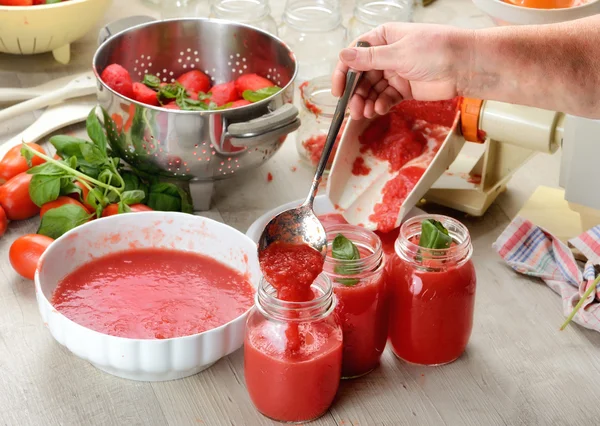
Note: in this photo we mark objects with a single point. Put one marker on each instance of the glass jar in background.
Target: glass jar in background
(432, 295)
(184, 9)
(256, 13)
(369, 14)
(362, 300)
(316, 113)
(293, 353)
(313, 30)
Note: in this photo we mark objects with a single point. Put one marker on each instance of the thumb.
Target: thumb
(369, 58)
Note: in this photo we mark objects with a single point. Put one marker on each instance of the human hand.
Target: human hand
(405, 61)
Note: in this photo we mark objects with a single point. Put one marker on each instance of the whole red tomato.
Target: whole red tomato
(15, 199)
(14, 163)
(3, 222)
(113, 209)
(25, 252)
(60, 201)
(84, 194)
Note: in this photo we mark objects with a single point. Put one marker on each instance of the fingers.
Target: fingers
(370, 58)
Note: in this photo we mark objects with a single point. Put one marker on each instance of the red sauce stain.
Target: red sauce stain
(153, 293)
(475, 179)
(70, 253)
(408, 139)
(113, 238)
(135, 245)
(309, 105)
(315, 144)
(269, 177)
(170, 221)
(359, 168)
(293, 168)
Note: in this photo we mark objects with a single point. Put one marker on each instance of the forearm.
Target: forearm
(555, 67)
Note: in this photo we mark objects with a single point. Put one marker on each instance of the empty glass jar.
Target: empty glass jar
(316, 114)
(256, 13)
(313, 30)
(369, 14)
(184, 9)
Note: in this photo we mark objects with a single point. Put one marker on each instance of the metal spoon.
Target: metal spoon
(300, 225)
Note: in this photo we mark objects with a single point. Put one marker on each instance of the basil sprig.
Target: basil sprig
(344, 249)
(434, 236)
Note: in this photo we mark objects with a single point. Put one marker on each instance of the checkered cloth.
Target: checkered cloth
(532, 251)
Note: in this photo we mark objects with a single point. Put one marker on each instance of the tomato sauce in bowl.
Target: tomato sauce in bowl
(153, 294)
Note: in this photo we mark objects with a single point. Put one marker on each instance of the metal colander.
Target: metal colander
(197, 145)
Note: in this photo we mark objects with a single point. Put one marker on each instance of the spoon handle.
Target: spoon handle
(352, 78)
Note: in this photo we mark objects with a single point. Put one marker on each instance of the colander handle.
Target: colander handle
(121, 25)
(282, 121)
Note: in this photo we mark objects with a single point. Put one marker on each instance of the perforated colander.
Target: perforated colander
(197, 145)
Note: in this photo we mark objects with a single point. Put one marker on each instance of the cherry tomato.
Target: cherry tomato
(113, 209)
(16, 3)
(84, 194)
(60, 201)
(15, 199)
(14, 163)
(25, 252)
(3, 222)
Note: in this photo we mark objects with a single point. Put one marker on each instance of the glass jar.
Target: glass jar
(313, 30)
(362, 300)
(316, 114)
(184, 9)
(256, 13)
(293, 353)
(369, 14)
(432, 295)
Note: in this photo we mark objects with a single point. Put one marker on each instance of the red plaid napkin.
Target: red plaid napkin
(531, 250)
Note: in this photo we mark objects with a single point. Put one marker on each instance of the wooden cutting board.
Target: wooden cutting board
(548, 209)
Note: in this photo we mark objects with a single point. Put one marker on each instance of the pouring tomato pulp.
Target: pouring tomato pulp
(408, 137)
(153, 294)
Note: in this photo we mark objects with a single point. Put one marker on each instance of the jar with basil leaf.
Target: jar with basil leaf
(431, 280)
(355, 265)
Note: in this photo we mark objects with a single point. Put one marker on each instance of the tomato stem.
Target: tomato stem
(581, 302)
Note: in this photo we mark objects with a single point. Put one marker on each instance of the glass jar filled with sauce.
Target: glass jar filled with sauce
(293, 353)
(369, 14)
(432, 294)
(316, 114)
(313, 30)
(355, 265)
(256, 13)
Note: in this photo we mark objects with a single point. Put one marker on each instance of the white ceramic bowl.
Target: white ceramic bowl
(141, 359)
(322, 205)
(503, 13)
(27, 30)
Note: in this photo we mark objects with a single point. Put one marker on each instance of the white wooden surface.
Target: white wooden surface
(518, 369)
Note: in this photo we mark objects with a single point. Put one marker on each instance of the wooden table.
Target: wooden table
(518, 369)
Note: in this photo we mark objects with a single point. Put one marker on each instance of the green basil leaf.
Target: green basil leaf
(57, 221)
(151, 81)
(134, 196)
(68, 146)
(106, 176)
(434, 236)
(191, 105)
(260, 94)
(95, 131)
(43, 189)
(165, 197)
(132, 181)
(47, 169)
(344, 249)
(92, 154)
(186, 201)
(115, 139)
(68, 187)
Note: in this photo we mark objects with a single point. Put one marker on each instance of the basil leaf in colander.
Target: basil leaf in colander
(151, 81)
(260, 94)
